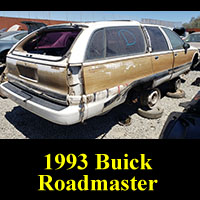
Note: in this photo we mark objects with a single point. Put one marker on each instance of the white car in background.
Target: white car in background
(193, 39)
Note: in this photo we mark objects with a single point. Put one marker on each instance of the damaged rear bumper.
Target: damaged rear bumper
(59, 114)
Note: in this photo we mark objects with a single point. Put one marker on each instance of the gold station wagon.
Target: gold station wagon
(71, 72)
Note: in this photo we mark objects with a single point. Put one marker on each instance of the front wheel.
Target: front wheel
(175, 84)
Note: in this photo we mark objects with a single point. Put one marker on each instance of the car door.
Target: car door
(161, 55)
(182, 58)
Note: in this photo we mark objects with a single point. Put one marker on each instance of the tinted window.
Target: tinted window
(158, 41)
(176, 41)
(124, 41)
(96, 46)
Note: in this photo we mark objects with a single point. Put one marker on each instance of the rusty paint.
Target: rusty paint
(110, 74)
(44, 77)
(163, 62)
(26, 64)
(183, 58)
(118, 89)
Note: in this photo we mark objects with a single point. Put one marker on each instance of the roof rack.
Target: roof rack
(123, 20)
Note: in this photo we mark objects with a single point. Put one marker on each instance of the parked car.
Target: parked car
(2, 30)
(8, 39)
(193, 39)
(184, 125)
(71, 72)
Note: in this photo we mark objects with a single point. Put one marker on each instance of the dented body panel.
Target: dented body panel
(56, 81)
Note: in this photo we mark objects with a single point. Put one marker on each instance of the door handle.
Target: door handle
(156, 57)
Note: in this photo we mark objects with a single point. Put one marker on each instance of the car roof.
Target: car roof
(99, 24)
(195, 33)
(157, 25)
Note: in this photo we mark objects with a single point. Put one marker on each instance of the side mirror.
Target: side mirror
(186, 46)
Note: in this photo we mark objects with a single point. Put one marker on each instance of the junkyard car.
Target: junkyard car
(193, 39)
(71, 72)
(7, 40)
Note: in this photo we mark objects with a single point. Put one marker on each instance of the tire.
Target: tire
(154, 113)
(174, 85)
(177, 95)
(2, 68)
(194, 62)
(2, 96)
(3, 75)
(124, 121)
(150, 98)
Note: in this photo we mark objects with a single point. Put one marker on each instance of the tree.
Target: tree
(194, 23)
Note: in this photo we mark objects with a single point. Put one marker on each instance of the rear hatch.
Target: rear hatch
(38, 63)
(32, 26)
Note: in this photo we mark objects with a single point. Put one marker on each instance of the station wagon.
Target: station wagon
(71, 72)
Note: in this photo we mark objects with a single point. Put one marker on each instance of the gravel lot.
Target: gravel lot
(17, 123)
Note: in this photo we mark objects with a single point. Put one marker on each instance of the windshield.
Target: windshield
(193, 38)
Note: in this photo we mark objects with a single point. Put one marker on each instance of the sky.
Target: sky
(175, 16)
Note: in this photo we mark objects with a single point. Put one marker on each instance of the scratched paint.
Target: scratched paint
(129, 64)
(113, 65)
(115, 73)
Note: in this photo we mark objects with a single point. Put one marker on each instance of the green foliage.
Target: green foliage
(194, 23)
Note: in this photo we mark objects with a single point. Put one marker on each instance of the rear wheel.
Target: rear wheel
(150, 98)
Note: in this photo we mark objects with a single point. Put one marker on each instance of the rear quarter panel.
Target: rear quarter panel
(108, 74)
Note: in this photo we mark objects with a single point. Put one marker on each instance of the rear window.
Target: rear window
(124, 41)
(116, 41)
(54, 43)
